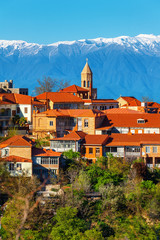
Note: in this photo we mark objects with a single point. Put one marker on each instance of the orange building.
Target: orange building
(93, 147)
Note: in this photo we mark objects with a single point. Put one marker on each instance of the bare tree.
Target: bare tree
(48, 84)
(146, 99)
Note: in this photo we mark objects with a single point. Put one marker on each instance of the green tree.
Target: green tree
(70, 154)
(16, 119)
(22, 121)
(68, 225)
(92, 234)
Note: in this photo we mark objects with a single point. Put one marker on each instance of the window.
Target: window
(139, 131)
(113, 149)
(18, 109)
(25, 110)
(44, 160)
(6, 152)
(88, 84)
(54, 171)
(19, 167)
(90, 150)
(51, 123)
(154, 149)
(140, 121)
(132, 131)
(86, 123)
(11, 166)
(54, 161)
(38, 160)
(97, 151)
(107, 149)
(84, 84)
(147, 149)
(132, 149)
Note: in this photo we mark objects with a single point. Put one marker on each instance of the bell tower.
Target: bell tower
(86, 79)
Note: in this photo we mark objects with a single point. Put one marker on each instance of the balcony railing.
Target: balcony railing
(132, 154)
(5, 117)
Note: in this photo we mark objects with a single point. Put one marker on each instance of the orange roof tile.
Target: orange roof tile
(73, 113)
(73, 89)
(153, 105)
(44, 152)
(15, 98)
(59, 97)
(95, 139)
(128, 99)
(134, 102)
(130, 120)
(74, 135)
(7, 98)
(104, 101)
(17, 140)
(13, 158)
(118, 139)
(121, 111)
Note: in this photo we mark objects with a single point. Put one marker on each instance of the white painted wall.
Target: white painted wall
(22, 113)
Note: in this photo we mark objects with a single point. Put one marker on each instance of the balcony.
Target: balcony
(132, 154)
(5, 117)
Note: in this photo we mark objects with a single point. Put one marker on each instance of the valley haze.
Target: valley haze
(121, 66)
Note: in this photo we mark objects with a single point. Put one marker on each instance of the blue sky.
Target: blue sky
(48, 21)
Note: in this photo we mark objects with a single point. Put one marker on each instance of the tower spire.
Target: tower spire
(86, 79)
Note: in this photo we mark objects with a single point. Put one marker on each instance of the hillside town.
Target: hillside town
(74, 118)
(84, 151)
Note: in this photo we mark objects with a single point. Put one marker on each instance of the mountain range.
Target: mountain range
(127, 66)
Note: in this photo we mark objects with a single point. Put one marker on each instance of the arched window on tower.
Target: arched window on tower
(84, 84)
(88, 84)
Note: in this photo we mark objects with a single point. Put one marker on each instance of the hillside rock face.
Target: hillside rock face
(120, 66)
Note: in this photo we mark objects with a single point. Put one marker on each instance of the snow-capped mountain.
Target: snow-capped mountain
(120, 66)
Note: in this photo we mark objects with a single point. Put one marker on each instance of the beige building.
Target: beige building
(17, 153)
(56, 123)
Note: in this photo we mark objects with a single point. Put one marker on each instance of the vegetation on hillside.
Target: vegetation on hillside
(111, 199)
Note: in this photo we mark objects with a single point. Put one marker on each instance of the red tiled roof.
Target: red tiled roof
(153, 105)
(128, 99)
(134, 102)
(15, 98)
(104, 101)
(118, 139)
(17, 140)
(13, 158)
(130, 120)
(100, 101)
(73, 112)
(73, 89)
(74, 135)
(7, 98)
(44, 152)
(121, 111)
(95, 139)
(60, 97)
